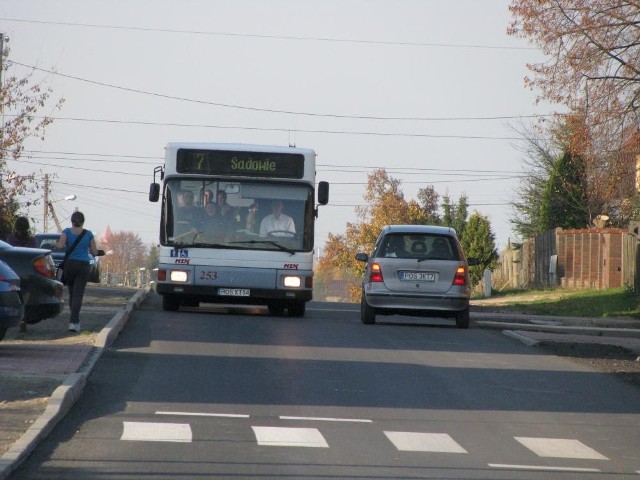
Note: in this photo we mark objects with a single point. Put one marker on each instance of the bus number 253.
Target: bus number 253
(208, 275)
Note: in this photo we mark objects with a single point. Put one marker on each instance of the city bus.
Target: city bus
(237, 225)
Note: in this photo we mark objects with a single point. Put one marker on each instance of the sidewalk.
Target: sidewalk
(534, 329)
(44, 371)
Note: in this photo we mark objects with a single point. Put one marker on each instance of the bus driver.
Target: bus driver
(277, 221)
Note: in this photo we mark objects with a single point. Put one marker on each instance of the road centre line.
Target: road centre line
(281, 417)
(540, 467)
(196, 414)
(327, 419)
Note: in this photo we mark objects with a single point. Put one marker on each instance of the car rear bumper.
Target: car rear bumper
(44, 301)
(11, 309)
(417, 303)
(41, 311)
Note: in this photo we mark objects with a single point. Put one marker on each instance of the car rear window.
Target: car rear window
(399, 245)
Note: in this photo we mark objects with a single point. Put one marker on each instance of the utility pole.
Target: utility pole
(46, 202)
(1, 56)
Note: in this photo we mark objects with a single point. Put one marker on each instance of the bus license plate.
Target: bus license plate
(234, 292)
(418, 276)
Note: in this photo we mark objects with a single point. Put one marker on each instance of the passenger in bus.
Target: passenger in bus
(186, 216)
(207, 197)
(212, 223)
(185, 199)
(224, 208)
(277, 221)
(250, 219)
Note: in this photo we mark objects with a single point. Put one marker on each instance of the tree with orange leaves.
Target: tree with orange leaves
(593, 66)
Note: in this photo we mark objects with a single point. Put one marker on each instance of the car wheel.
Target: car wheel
(275, 309)
(170, 303)
(296, 309)
(3, 332)
(367, 313)
(462, 318)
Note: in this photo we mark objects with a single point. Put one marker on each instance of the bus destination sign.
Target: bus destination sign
(245, 164)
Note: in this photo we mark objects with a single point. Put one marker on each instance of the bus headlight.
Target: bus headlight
(178, 276)
(292, 282)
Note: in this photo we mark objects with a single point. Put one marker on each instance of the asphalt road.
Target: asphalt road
(240, 394)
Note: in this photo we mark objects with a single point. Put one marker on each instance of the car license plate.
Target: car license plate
(234, 292)
(418, 276)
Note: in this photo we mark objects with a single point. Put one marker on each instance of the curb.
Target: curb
(595, 331)
(68, 393)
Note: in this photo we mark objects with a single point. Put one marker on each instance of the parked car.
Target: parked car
(49, 240)
(416, 270)
(11, 305)
(41, 292)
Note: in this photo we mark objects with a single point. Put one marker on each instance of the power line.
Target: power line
(34, 154)
(270, 37)
(280, 129)
(257, 109)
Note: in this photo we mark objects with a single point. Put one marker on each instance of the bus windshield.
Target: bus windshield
(250, 215)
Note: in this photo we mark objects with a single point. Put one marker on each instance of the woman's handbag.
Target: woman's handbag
(66, 255)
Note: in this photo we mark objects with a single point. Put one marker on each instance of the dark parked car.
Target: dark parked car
(41, 292)
(416, 270)
(49, 240)
(11, 306)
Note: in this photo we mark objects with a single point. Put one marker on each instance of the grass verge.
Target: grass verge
(616, 302)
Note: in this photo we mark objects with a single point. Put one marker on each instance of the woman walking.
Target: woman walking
(21, 235)
(78, 243)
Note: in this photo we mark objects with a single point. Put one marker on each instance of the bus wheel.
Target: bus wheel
(191, 302)
(170, 303)
(275, 309)
(296, 309)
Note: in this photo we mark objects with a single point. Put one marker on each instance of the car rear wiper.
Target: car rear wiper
(268, 242)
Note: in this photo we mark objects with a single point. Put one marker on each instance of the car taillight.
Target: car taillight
(45, 266)
(461, 276)
(376, 273)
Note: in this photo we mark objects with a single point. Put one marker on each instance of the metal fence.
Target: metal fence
(138, 277)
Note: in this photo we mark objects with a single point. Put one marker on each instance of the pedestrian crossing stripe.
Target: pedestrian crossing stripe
(560, 448)
(289, 437)
(424, 442)
(403, 441)
(156, 432)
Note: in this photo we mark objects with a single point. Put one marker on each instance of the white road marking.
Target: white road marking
(424, 442)
(289, 437)
(328, 419)
(196, 414)
(156, 432)
(539, 467)
(560, 448)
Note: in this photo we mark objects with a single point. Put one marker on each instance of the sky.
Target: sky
(430, 90)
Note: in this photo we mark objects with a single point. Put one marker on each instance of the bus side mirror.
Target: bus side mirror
(323, 193)
(154, 192)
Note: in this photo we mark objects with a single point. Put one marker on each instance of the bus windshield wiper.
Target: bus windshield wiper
(268, 242)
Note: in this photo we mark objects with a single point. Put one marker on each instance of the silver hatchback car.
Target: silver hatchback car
(417, 270)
